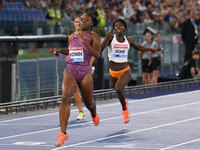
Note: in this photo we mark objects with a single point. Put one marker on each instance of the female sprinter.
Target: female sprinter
(77, 96)
(120, 73)
(82, 46)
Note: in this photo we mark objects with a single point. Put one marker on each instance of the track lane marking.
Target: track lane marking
(132, 132)
(106, 105)
(111, 118)
(181, 144)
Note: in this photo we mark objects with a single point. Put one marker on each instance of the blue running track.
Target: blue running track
(157, 123)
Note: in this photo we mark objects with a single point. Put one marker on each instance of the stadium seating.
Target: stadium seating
(14, 13)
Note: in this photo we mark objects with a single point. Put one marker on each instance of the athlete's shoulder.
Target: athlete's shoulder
(129, 38)
(95, 35)
(71, 35)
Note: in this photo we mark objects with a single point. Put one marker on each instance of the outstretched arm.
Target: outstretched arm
(140, 47)
(64, 51)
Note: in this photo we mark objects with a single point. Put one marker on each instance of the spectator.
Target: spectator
(189, 35)
(156, 58)
(147, 18)
(44, 4)
(54, 16)
(54, 13)
(191, 67)
(150, 10)
(27, 4)
(140, 17)
(11, 1)
(173, 25)
(1, 5)
(157, 9)
(15, 31)
(156, 15)
(109, 19)
(120, 14)
(142, 6)
(168, 14)
(114, 9)
(100, 14)
(77, 5)
(145, 57)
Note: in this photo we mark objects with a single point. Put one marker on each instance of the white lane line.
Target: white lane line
(27, 145)
(29, 133)
(101, 120)
(30, 117)
(173, 146)
(32, 124)
(121, 146)
(123, 134)
(105, 105)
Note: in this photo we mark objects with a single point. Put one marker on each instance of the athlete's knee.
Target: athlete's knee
(118, 88)
(66, 98)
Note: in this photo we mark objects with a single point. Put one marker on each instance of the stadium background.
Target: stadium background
(39, 72)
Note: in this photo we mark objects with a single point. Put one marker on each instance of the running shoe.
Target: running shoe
(81, 116)
(61, 139)
(95, 120)
(125, 113)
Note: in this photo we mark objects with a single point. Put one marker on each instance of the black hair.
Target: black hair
(94, 19)
(78, 16)
(157, 33)
(120, 20)
(195, 52)
(148, 32)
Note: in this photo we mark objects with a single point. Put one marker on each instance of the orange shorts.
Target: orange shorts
(117, 74)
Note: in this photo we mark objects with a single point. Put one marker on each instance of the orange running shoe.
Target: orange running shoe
(125, 113)
(61, 139)
(95, 120)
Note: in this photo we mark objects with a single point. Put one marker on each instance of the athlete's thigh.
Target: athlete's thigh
(113, 81)
(124, 79)
(86, 86)
(69, 84)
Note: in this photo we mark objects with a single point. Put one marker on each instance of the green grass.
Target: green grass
(24, 54)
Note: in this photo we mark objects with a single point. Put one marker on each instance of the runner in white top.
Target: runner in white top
(120, 72)
(118, 52)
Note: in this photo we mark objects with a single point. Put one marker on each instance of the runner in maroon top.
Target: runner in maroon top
(82, 46)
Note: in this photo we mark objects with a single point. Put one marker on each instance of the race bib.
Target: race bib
(76, 54)
(120, 50)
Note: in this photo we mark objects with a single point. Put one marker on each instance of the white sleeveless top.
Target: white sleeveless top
(118, 52)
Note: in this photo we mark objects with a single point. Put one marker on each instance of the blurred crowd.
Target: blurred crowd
(155, 12)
